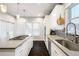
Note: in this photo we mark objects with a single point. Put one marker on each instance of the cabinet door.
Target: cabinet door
(56, 51)
(53, 52)
(27, 46)
(18, 50)
(24, 49)
(30, 45)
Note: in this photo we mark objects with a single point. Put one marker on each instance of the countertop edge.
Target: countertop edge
(66, 51)
(24, 40)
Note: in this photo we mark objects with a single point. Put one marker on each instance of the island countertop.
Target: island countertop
(12, 44)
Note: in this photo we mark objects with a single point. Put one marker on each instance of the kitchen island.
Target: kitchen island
(16, 47)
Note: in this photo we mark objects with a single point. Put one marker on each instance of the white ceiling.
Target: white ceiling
(31, 9)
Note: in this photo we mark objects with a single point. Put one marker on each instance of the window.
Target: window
(6, 30)
(28, 28)
(3, 30)
(74, 17)
(10, 30)
(75, 11)
(36, 29)
(0, 31)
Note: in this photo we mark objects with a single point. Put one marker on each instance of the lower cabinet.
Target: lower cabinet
(21, 50)
(24, 49)
(56, 51)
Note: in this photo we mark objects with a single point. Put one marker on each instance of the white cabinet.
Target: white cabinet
(56, 51)
(24, 49)
(18, 50)
(27, 46)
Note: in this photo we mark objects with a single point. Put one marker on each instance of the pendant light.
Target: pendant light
(60, 20)
(17, 16)
(24, 15)
(24, 12)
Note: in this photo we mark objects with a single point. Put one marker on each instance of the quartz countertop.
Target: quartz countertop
(65, 50)
(12, 44)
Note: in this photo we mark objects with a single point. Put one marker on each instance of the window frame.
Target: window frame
(70, 19)
(69, 11)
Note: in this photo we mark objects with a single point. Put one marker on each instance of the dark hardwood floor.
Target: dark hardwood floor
(39, 49)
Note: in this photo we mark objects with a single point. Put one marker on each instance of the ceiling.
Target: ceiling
(31, 9)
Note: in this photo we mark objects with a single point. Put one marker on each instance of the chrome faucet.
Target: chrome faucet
(75, 39)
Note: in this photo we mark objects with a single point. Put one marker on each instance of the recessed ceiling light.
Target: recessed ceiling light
(17, 16)
(39, 14)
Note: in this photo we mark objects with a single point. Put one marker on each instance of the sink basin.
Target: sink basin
(69, 45)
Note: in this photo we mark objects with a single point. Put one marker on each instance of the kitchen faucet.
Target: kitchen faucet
(75, 39)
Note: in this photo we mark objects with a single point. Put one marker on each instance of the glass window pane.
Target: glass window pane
(75, 21)
(3, 30)
(10, 29)
(0, 30)
(75, 11)
(36, 29)
(71, 27)
(28, 28)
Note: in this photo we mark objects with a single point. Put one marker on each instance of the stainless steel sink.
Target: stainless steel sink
(69, 45)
